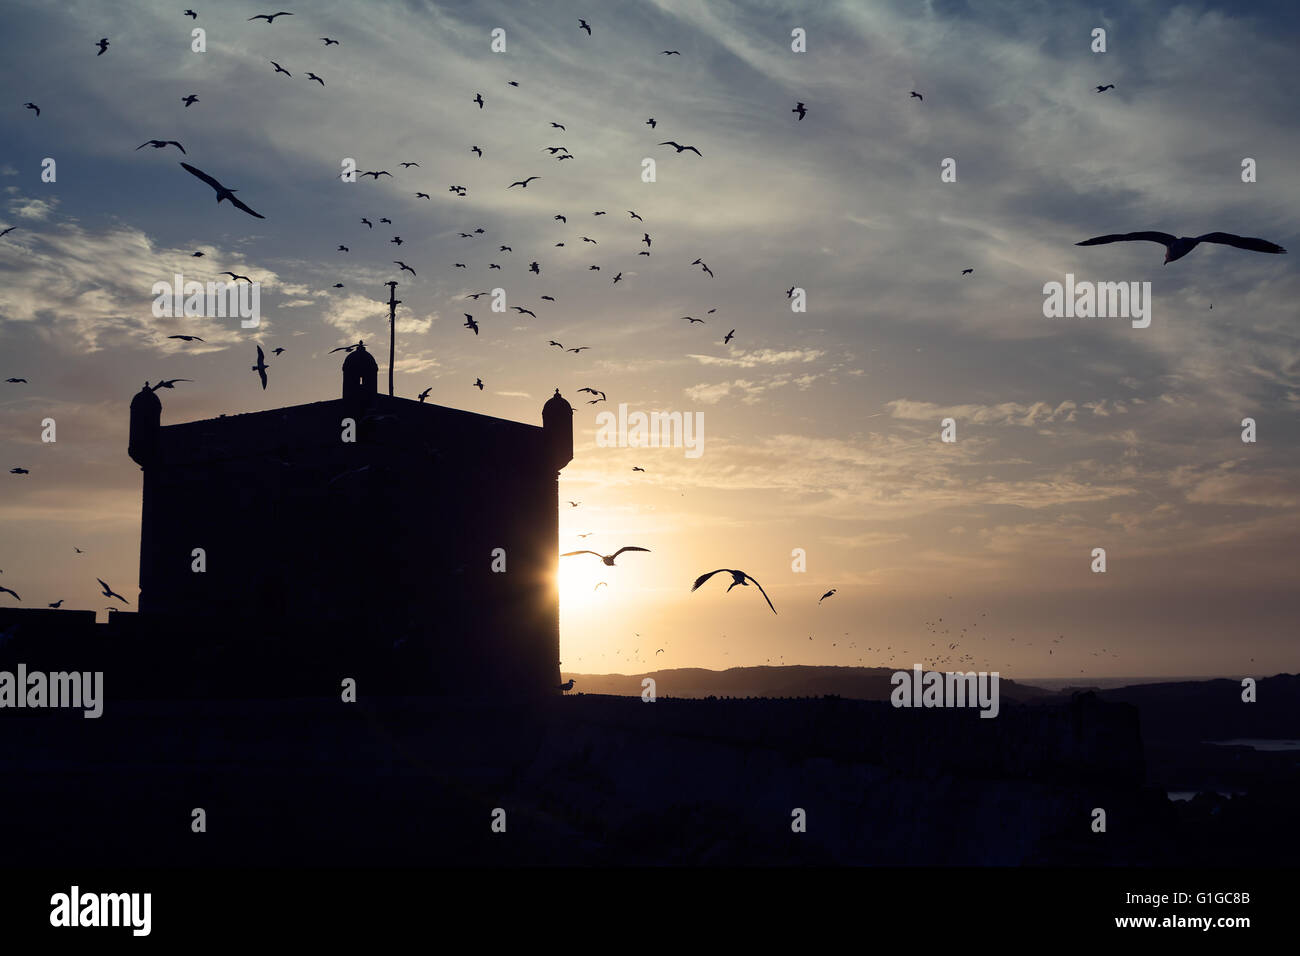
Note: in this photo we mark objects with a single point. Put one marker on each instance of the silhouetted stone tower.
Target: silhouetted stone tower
(360, 377)
(420, 557)
(146, 429)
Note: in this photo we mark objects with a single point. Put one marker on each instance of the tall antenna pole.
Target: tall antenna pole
(393, 303)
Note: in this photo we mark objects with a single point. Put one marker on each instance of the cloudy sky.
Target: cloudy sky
(821, 428)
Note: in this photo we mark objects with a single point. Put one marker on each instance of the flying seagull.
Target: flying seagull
(1103, 89)
(470, 323)
(280, 69)
(607, 558)
(313, 76)
(967, 272)
(328, 41)
(670, 53)
(737, 577)
(16, 381)
(523, 182)
(478, 98)
(19, 471)
(801, 110)
(191, 14)
(1178, 246)
(161, 144)
(478, 383)
(169, 383)
(270, 17)
(584, 25)
(189, 100)
(222, 191)
(261, 366)
(109, 592)
(918, 96)
(425, 393)
(728, 337)
(405, 267)
(826, 595)
(33, 106)
(10, 591)
(103, 45)
(237, 277)
(680, 148)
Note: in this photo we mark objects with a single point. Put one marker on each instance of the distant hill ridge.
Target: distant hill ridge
(861, 683)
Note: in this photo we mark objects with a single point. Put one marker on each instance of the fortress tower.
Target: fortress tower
(357, 537)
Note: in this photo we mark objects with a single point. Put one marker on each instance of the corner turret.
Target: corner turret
(146, 421)
(557, 424)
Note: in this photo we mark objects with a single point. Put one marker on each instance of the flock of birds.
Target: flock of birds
(1175, 249)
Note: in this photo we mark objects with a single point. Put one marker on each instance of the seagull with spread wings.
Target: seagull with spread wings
(737, 577)
(109, 592)
(1178, 246)
(607, 558)
(161, 144)
(680, 148)
(222, 191)
(261, 366)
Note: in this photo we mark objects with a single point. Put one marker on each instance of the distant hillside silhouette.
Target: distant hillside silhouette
(859, 683)
(1213, 709)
